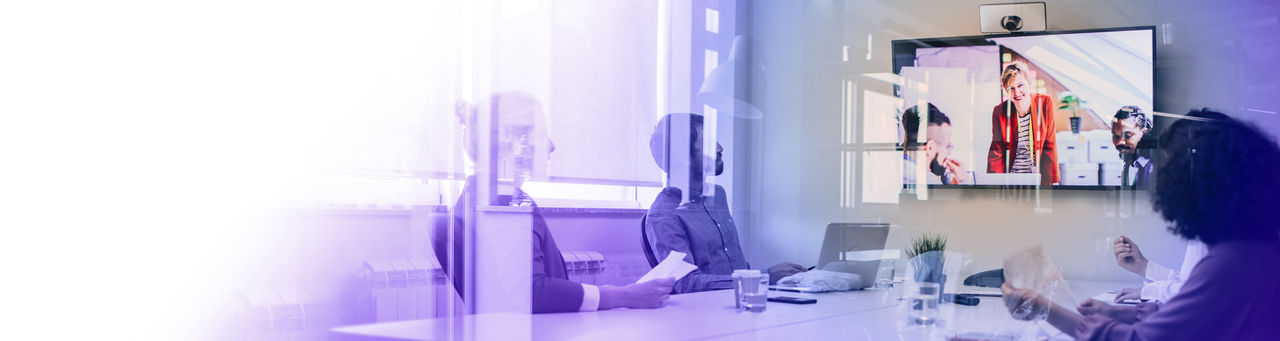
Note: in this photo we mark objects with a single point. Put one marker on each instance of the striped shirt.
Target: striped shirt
(1022, 162)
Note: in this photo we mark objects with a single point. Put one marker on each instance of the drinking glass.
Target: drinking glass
(751, 290)
(923, 302)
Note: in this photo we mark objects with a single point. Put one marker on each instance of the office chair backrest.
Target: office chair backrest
(644, 239)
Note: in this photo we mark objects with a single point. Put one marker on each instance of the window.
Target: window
(597, 72)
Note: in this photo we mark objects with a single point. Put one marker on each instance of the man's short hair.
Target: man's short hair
(660, 139)
(1141, 120)
(911, 123)
(1217, 179)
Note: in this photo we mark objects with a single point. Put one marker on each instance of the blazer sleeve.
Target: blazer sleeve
(996, 152)
(551, 294)
(1049, 153)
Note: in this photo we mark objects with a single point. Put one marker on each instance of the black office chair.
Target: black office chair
(644, 239)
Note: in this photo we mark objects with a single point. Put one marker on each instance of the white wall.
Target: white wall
(799, 167)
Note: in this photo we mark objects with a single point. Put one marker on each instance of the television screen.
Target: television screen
(1049, 109)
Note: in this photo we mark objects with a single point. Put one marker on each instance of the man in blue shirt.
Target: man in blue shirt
(691, 215)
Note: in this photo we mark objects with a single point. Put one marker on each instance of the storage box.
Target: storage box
(1079, 174)
(1112, 174)
(1072, 151)
(1102, 151)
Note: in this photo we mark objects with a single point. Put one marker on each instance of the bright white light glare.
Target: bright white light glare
(869, 47)
(887, 77)
(876, 167)
(713, 21)
(711, 59)
(879, 122)
(554, 190)
(663, 57)
(151, 138)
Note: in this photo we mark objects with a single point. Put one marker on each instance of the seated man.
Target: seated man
(936, 150)
(1128, 128)
(691, 215)
(551, 290)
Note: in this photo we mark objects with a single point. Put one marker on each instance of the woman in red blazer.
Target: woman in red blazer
(1023, 100)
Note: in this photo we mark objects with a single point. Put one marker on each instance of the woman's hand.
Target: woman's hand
(1124, 314)
(1129, 294)
(1024, 304)
(1027, 305)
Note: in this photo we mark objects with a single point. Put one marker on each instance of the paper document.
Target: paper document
(673, 266)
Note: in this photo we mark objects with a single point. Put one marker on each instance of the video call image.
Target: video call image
(1070, 109)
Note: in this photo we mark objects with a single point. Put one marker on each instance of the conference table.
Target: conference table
(872, 314)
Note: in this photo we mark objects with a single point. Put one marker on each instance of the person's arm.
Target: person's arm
(1165, 283)
(556, 295)
(1122, 313)
(667, 233)
(648, 294)
(1217, 301)
(1156, 272)
(1049, 153)
(1063, 318)
(1160, 290)
(1129, 256)
(996, 152)
(1027, 305)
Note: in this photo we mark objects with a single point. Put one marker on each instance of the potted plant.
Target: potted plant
(1072, 102)
(927, 260)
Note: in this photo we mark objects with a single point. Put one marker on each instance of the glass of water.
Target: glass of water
(884, 275)
(751, 289)
(923, 301)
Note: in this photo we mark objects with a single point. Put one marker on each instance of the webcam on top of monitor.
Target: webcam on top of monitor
(1012, 17)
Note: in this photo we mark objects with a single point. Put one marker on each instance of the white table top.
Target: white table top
(869, 314)
(989, 320)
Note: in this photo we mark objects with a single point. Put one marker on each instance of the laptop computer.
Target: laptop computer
(840, 239)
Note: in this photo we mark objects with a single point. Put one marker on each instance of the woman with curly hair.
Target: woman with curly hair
(1216, 184)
